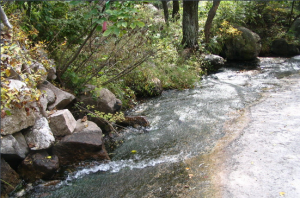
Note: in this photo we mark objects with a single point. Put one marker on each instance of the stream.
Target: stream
(174, 156)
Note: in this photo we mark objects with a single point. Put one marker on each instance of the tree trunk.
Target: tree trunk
(210, 17)
(166, 11)
(175, 12)
(190, 25)
(4, 18)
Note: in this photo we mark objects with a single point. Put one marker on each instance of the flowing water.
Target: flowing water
(174, 156)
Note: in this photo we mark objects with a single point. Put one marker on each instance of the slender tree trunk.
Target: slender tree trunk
(4, 19)
(210, 17)
(175, 12)
(291, 15)
(166, 11)
(190, 25)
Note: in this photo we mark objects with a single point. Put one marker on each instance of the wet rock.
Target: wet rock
(14, 147)
(134, 121)
(38, 165)
(85, 144)
(19, 118)
(280, 47)
(40, 135)
(103, 100)
(62, 98)
(62, 122)
(214, 60)
(9, 178)
(246, 46)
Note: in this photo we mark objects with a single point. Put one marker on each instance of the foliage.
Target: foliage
(17, 53)
(269, 19)
(108, 117)
(226, 31)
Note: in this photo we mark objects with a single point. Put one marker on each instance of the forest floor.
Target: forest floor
(263, 161)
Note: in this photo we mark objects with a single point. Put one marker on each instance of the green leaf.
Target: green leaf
(116, 31)
(124, 24)
(7, 112)
(75, 2)
(107, 32)
(140, 24)
(133, 25)
(99, 28)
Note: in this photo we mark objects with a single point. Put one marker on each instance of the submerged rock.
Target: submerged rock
(38, 165)
(84, 144)
(135, 121)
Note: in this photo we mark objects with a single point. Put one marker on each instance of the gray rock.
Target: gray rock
(10, 177)
(246, 46)
(62, 98)
(214, 60)
(14, 146)
(135, 121)
(103, 100)
(86, 126)
(19, 118)
(62, 123)
(49, 94)
(85, 144)
(40, 69)
(280, 47)
(40, 135)
(17, 121)
(38, 165)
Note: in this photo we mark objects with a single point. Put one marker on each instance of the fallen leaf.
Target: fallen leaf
(49, 157)
(282, 193)
(191, 175)
(187, 168)
(133, 151)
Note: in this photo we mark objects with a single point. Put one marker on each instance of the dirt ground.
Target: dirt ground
(264, 161)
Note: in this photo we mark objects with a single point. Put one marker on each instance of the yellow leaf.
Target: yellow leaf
(282, 193)
(49, 157)
(7, 72)
(133, 151)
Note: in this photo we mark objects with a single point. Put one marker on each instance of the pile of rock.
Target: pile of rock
(42, 136)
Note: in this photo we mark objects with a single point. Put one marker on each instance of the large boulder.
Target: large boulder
(38, 165)
(62, 122)
(103, 100)
(40, 135)
(62, 98)
(20, 118)
(9, 178)
(214, 60)
(85, 144)
(280, 47)
(14, 147)
(245, 46)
